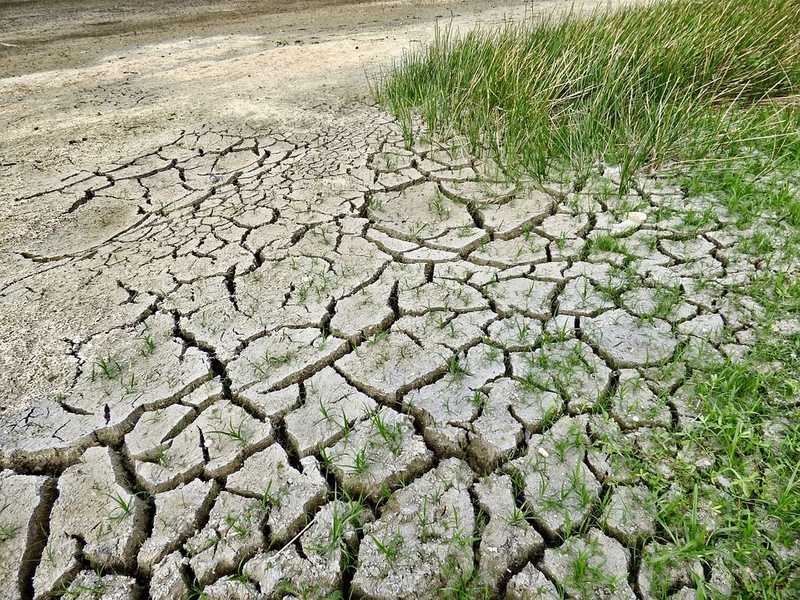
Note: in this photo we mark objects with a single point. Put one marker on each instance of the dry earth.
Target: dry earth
(248, 333)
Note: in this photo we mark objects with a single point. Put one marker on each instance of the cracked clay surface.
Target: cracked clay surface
(304, 319)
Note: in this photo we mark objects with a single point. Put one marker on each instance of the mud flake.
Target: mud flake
(582, 298)
(662, 302)
(687, 250)
(284, 357)
(166, 581)
(269, 405)
(507, 540)
(331, 407)
(154, 427)
(526, 249)
(229, 588)
(559, 489)
(47, 434)
(288, 493)
(390, 363)
(214, 444)
(479, 192)
(19, 497)
(233, 533)
(143, 368)
(419, 212)
(569, 368)
(445, 408)
(527, 297)
(439, 330)
(531, 584)
(379, 454)
(564, 225)
(93, 507)
(593, 566)
(422, 537)
(89, 585)
(441, 295)
(628, 341)
(633, 405)
(509, 218)
(663, 569)
(363, 314)
(710, 328)
(630, 515)
(317, 572)
(516, 333)
(510, 410)
(177, 513)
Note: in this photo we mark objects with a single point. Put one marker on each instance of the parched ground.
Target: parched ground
(302, 359)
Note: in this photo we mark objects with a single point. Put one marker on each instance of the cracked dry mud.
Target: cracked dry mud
(304, 319)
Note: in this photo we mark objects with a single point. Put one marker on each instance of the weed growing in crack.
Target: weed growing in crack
(130, 384)
(268, 499)
(377, 338)
(123, 508)
(417, 229)
(162, 456)
(461, 584)
(522, 330)
(8, 532)
(196, 591)
(578, 486)
(461, 539)
(608, 243)
(517, 517)
(342, 519)
(148, 345)
(587, 577)
(666, 299)
(235, 432)
(347, 427)
(464, 231)
(361, 462)
(75, 590)
(533, 382)
(477, 399)
(326, 459)
(455, 369)
(374, 203)
(323, 410)
(424, 522)
(438, 207)
(239, 576)
(392, 435)
(108, 367)
(238, 525)
(389, 547)
(278, 360)
(493, 353)
(49, 556)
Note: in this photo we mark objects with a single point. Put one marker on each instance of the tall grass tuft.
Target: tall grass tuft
(663, 82)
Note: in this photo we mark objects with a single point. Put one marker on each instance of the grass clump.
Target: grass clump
(751, 426)
(640, 87)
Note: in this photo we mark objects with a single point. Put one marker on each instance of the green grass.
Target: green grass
(678, 81)
(754, 482)
(702, 94)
